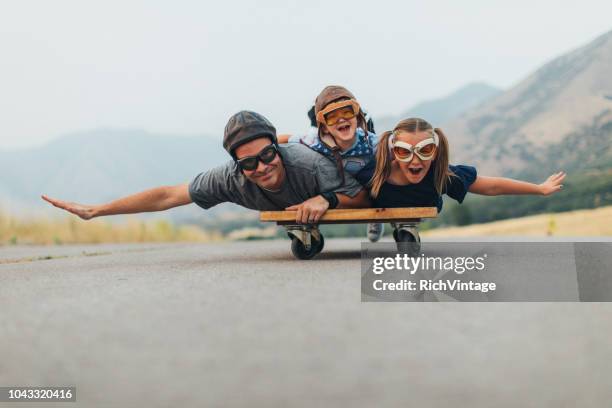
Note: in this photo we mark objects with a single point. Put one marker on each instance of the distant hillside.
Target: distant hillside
(100, 165)
(560, 117)
(443, 110)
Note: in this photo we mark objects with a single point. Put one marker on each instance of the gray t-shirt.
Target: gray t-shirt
(308, 174)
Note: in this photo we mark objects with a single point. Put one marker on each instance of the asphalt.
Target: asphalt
(245, 324)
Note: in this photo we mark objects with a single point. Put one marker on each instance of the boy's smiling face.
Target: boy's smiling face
(343, 131)
(415, 170)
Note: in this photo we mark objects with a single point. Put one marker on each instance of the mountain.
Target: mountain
(559, 117)
(443, 110)
(100, 165)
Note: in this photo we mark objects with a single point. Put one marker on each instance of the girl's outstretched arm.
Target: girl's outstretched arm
(492, 186)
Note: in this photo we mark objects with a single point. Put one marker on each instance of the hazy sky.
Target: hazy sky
(183, 67)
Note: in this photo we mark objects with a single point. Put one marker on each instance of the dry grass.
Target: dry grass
(596, 222)
(253, 233)
(71, 230)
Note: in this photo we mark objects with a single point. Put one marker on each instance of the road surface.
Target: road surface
(245, 324)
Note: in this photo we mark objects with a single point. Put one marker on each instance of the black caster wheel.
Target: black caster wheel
(320, 244)
(299, 250)
(407, 242)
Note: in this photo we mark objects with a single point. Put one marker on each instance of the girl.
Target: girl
(342, 134)
(412, 170)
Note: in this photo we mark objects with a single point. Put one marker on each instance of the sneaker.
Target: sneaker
(375, 231)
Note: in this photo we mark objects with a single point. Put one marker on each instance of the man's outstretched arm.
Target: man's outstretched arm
(155, 199)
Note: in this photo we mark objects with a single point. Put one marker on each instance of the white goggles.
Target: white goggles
(424, 150)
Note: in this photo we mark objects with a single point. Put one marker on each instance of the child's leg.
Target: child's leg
(375, 231)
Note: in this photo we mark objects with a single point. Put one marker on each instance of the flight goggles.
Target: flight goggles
(266, 155)
(424, 150)
(333, 112)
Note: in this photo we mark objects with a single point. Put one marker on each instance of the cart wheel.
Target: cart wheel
(299, 250)
(320, 244)
(407, 242)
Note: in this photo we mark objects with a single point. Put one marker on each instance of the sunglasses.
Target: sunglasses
(339, 110)
(424, 150)
(266, 156)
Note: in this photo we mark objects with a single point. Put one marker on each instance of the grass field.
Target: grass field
(595, 222)
(72, 230)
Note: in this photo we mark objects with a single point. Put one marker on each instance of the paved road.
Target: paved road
(246, 324)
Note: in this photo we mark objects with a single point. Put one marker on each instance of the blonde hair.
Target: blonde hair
(384, 156)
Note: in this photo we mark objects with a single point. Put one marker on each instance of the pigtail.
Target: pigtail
(383, 165)
(441, 170)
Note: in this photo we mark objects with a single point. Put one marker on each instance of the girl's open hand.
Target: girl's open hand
(553, 183)
(86, 212)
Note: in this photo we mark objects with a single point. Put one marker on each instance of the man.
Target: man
(261, 176)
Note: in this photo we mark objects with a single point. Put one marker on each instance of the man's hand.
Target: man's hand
(86, 212)
(310, 211)
(552, 184)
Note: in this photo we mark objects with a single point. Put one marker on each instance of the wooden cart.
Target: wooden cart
(307, 240)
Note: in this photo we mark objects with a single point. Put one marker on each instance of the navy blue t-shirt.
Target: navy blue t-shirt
(424, 194)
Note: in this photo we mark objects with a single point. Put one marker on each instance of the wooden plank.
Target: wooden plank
(356, 215)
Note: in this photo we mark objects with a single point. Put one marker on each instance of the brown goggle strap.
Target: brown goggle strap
(338, 158)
